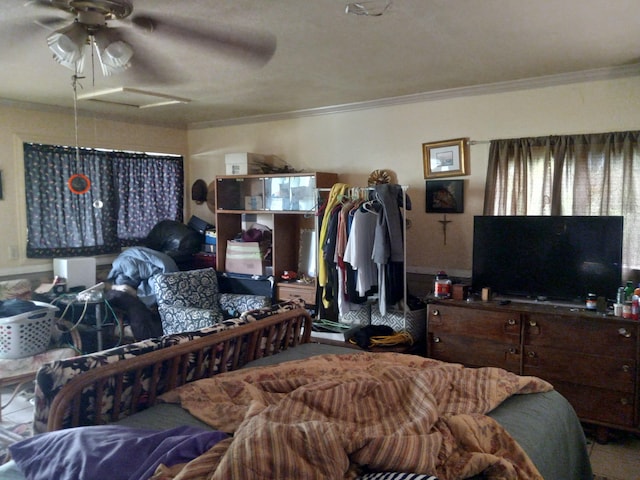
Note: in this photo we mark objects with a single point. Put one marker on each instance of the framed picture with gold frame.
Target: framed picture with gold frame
(447, 158)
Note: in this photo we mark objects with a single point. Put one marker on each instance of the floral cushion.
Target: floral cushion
(51, 377)
(235, 304)
(187, 300)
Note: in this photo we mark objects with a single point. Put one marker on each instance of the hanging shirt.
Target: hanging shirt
(338, 191)
(359, 248)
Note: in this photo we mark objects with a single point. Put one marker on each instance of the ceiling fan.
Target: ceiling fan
(95, 26)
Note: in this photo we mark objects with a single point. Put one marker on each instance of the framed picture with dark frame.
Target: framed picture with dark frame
(447, 158)
(445, 196)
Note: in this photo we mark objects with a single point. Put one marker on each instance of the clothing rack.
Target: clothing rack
(358, 191)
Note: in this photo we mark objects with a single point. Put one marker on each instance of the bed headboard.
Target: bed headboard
(134, 384)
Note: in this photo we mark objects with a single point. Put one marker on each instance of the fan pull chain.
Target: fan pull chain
(74, 83)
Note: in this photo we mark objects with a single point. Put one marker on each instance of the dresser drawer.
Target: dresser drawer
(597, 335)
(474, 352)
(556, 364)
(295, 291)
(599, 404)
(503, 327)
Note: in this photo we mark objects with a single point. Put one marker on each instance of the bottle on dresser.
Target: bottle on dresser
(442, 287)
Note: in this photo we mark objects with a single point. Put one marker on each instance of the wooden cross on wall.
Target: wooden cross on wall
(444, 223)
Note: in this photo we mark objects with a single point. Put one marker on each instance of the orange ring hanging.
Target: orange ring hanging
(79, 183)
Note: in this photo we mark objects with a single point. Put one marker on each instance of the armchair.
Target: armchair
(191, 300)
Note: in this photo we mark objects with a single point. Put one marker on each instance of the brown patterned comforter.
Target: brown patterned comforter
(327, 416)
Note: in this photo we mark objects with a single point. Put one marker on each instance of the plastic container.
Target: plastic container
(591, 302)
(621, 296)
(28, 333)
(442, 287)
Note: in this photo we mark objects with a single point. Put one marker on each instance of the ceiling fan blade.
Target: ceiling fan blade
(144, 22)
(146, 67)
(58, 4)
(244, 44)
(21, 38)
(52, 23)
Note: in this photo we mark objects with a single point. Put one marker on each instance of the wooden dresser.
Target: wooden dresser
(589, 358)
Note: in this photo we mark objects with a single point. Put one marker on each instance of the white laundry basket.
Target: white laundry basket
(28, 333)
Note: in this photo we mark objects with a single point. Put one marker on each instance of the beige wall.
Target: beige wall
(355, 143)
(351, 144)
(18, 126)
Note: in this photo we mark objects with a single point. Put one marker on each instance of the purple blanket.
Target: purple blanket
(113, 452)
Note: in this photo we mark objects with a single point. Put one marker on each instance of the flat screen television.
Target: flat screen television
(561, 258)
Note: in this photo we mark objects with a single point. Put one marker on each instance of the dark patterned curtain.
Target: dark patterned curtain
(92, 202)
(150, 189)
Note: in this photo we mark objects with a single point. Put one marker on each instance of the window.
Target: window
(594, 174)
(91, 202)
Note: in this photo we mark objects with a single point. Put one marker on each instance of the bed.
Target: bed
(161, 393)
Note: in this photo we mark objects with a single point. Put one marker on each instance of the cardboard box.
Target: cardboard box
(461, 291)
(244, 257)
(244, 163)
(77, 271)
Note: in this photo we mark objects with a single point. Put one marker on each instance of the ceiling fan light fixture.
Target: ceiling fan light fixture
(115, 56)
(67, 45)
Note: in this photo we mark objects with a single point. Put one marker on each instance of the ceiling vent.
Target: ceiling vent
(132, 97)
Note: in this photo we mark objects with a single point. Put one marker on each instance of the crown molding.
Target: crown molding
(475, 90)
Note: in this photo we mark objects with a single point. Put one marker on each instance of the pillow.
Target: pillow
(109, 451)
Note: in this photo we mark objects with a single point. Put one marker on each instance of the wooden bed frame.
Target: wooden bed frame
(171, 367)
(103, 393)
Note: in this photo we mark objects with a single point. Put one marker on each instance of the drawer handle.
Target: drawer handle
(435, 313)
(436, 339)
(513, 351)
(626, 368)
(624, 401)
(511, 321)
(531, 354)
(533, 323)
(624, 332)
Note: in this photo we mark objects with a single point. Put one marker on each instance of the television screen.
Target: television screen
(543, 257)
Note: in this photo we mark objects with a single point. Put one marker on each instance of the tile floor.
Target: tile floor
(20, 410)
(617, 460)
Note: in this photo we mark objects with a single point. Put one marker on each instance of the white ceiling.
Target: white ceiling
(326, 58)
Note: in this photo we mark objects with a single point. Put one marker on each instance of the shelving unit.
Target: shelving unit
(285, 202)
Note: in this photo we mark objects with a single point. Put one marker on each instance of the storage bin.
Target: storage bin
(358, 316)
(416, 322)
(244, 163)
(28, 333)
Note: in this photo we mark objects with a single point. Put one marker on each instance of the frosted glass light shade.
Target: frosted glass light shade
(67, 45)
(114, 56)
